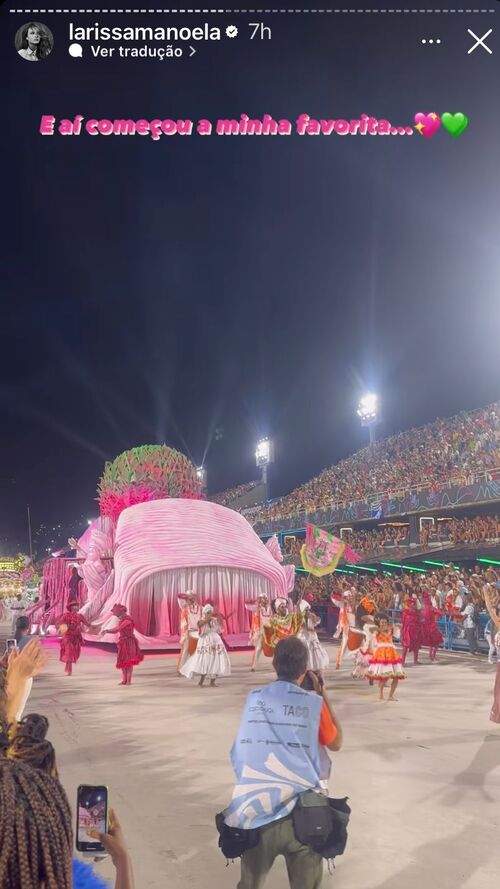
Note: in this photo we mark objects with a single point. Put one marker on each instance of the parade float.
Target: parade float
(18, 576)
(156, 537)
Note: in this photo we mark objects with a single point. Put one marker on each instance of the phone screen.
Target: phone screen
(11, 643)
(92, 814)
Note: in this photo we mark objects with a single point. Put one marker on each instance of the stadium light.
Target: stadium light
(362, 568)
(405, 567)
(201, 474)
(368, 413)
(264, 455)
(441, 564)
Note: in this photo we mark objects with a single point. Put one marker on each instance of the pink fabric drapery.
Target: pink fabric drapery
(154, 607)
(178, 535)
(56, 576)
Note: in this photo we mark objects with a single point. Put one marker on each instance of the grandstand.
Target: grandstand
(435, 489)
(242, 496)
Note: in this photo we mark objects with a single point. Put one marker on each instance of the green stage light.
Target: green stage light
(441, 564)
(405, 567)
(337, 571)
(362, 568)
(488, 561)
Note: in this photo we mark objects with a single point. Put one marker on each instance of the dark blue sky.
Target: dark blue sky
(152, 291)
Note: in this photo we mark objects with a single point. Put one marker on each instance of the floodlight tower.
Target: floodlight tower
(201, 474)
(264, 456)
(368, 412)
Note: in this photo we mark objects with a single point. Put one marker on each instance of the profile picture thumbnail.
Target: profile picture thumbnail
(34, 41)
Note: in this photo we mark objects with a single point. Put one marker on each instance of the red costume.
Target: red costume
(431, 634)
(129, 654)
(71, 641)
(411, 629)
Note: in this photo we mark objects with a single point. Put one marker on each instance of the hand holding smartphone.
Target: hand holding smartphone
(92, 815)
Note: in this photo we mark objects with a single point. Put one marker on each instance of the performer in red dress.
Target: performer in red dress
(431, 634)
(411, 629)
(71, 640)
(129, 654)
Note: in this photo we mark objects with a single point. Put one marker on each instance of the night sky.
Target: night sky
(157, 291)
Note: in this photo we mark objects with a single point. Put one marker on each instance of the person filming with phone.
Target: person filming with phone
(282, 767)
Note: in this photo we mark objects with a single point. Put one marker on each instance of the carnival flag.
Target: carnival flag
(322, 551)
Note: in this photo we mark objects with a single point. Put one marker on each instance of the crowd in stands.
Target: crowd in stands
(445, 585)
(473, 529)
(444, 452)
(372, 540)
(226, 498)
(394, 537)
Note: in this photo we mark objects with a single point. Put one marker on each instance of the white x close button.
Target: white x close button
(480, 41)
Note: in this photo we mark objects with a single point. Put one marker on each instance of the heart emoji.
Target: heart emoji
(455, 124)
(427, 124)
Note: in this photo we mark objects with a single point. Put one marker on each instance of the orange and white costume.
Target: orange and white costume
(190, 614)
(261, 617)
(385, 663)
(346, 623)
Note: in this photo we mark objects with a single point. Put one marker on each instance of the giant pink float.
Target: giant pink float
(146, 554)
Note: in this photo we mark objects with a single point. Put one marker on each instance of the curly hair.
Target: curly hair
(36, 836)
(44, 47)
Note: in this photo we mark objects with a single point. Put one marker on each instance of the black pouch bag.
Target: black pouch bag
(321, 823)
(233, 841)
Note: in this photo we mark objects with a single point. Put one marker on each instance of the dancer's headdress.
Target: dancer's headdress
(280, 601)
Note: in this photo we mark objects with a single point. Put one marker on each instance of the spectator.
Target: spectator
(36, 836)
(299, 751)
(471, 623)
(17, 609)
(226, 498)
(16, 669)
(22, 632)
(443, 453)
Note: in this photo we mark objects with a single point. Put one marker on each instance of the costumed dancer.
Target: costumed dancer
(431, 634)
(283, 623)
(190, 616)
(364, 653)
(71, 639)
(365, 611)
(128, 654)
(411, 628)
(318, 657)
(385, 665)
(493, 613)
(346, 622)
(210, 658)
(261, 616)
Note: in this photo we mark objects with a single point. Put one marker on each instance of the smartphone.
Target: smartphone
(92, 814)
(11, 643)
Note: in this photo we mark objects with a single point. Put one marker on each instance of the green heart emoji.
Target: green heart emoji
(455, 123)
